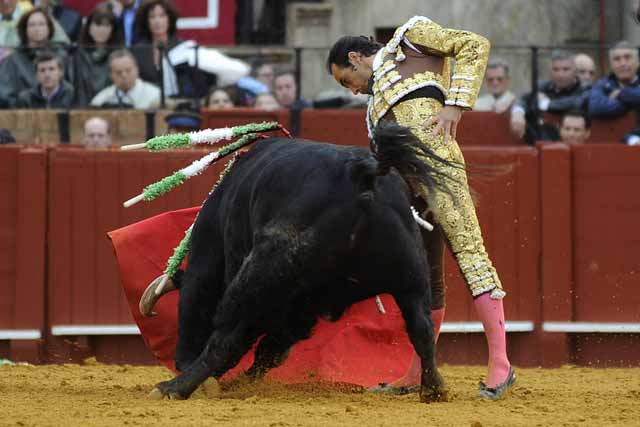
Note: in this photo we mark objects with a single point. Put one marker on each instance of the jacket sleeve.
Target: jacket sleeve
(23, 100)
(566, 103)
(600, 105)
(630, 97)
(470, 51)
(8, 93)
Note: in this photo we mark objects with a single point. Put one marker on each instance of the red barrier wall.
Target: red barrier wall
(556, 258)
(347, 126)
(22, 247)
(606, 236)
(341, 126)
(86, 192)
(558, 223)
(240, 116)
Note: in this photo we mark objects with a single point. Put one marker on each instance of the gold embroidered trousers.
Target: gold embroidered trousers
(454, 211)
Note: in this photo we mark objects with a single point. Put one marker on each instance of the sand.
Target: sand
(116, 395)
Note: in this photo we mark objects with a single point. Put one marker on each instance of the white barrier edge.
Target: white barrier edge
(20, 334)
(474, 327)
(62, 330)
(592, 327)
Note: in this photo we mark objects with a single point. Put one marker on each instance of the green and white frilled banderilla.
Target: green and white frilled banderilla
(179, 177)
(205, 136)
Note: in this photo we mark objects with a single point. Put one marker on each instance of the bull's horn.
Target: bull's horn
(156, 289)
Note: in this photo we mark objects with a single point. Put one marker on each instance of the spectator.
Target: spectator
(218, 99)
(51, 91)
(250, 86)
(125, 11)
(127, 90)
(286, 91)
(340, 98)
(575, 127)
(264, 73)
(585, 68)
(97, 133)
(266, 102)
(618, 93)
(184, 119)
(563, 92)
(499, 99)
(17, 71)
(155, 29)
(70, 21)
(100, 36)
(6, 137)
(10, 13)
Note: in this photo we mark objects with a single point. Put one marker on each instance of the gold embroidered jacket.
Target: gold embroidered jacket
(418, 56)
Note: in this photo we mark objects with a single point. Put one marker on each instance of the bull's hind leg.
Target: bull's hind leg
(420, 329)
(274, 347)
(261, 286)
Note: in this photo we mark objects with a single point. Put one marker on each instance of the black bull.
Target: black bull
(298, 230)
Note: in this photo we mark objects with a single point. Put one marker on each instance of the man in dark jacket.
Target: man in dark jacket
(51, 91)
(618, 93)
(562, 93)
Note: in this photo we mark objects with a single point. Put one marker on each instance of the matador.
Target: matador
(424, 78)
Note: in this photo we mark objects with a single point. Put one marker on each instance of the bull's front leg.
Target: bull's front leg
(223, 351)
(420, 331)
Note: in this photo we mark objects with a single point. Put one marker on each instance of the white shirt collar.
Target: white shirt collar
(377, 60)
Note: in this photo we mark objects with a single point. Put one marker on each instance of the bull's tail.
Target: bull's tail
(399, 148)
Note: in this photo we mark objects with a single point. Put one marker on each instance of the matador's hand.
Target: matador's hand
(446, 121)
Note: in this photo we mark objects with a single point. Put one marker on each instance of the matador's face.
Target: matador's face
(356, 76)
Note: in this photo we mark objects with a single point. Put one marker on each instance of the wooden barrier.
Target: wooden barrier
(339, 126)
(342, 127)
(606, 183)
(86, 192)
(241, 116)
(127, 126)
(22, 251)
(558, 221)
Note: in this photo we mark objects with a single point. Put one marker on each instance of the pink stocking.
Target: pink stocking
(491, 314)
(413, 374)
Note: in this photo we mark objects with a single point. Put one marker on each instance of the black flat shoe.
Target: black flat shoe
(499, 391)
(384, 388)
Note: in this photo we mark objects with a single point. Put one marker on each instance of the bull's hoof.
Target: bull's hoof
(431, 394)
(165, 390)
(384, 388)
(151, 296)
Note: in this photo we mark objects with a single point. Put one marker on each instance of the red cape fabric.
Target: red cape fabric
(364, 347)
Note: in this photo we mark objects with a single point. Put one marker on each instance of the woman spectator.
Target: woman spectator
(67, 19)
(17, 71)
(155, 33)
(219, 99)
(100, 36)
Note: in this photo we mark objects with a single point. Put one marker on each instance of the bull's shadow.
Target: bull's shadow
(300, 229)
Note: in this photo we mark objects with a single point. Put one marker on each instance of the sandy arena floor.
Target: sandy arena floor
(115, 395)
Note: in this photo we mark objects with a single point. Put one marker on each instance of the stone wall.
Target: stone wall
(508, 23)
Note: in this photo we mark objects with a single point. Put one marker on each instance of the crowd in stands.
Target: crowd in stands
(572, 92)
(124, 54)
(127, 54)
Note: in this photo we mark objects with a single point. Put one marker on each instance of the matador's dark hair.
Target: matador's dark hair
(339, 53)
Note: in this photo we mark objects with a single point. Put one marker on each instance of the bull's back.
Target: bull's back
(305, 185)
